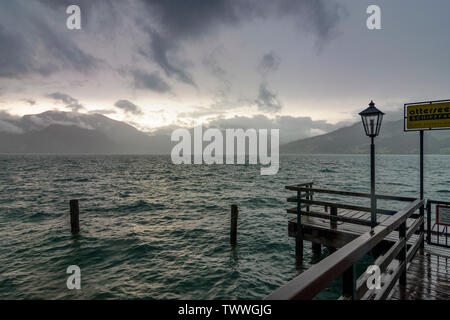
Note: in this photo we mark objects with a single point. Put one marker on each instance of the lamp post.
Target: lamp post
(371, 118)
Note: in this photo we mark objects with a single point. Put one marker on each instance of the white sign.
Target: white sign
(443, 215)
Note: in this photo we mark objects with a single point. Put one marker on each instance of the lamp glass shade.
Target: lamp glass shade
(372, 118)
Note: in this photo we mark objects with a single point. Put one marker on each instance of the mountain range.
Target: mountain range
(57, 132)
(352, 140)
(72, 133)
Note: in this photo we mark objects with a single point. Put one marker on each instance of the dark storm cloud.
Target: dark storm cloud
(63, 4)
(16, 56)
(160, 48)
(67, 100)
(194, 18)
(103, 16)
(102, 111)
(211, 63)
(182, 19)
(128, 107)
(87, 6)
(269, 63)
(317, 17)
(75, 107)
(5, 115)
(150, 81)
(267, 101)
(8, 123)
(31, 102)
(30, 45)
(65, 51)
(179, 20)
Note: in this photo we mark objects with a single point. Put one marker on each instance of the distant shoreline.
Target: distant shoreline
(167, 154)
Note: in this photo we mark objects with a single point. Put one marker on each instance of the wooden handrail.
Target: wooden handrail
(349, 193)
(308, 284)
(343, 206)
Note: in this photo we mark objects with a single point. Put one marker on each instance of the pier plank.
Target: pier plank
(348, 213)
(361, 214)
(342, 234)
(428, 278)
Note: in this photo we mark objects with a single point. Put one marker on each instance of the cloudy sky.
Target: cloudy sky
(309, 65)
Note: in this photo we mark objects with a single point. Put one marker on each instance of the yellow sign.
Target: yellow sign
(427, 115)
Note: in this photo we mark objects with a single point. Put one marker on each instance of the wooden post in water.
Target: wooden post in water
(234, 220)
(74, 216)
(333, 222)
(349, 283)
(317, 249)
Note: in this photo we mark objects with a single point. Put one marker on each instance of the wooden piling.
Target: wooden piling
(234, 220)
(331, 250)
(333, 222)
(74, 216)
(349, 283)
(316, 249)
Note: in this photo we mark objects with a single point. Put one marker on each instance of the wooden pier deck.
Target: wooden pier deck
(318, 230)
(410, 268)
(428, 274)
(428, 277)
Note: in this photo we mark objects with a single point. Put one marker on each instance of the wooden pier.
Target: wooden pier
(410, 267)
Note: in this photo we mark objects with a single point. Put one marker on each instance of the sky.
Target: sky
(306, 66)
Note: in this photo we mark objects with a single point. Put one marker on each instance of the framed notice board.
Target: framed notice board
(431, 115)
(443, 215)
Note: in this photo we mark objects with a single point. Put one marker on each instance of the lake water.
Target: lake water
(154, 230)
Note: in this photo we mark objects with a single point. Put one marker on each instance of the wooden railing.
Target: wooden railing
(392, 264)
(309, 190)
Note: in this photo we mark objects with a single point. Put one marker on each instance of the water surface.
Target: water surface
(154, 230)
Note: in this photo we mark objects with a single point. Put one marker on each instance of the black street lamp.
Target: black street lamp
(371, 118)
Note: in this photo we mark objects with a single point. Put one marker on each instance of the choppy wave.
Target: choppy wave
(153, 230)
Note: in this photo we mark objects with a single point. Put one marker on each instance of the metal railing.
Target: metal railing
(437, 234)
